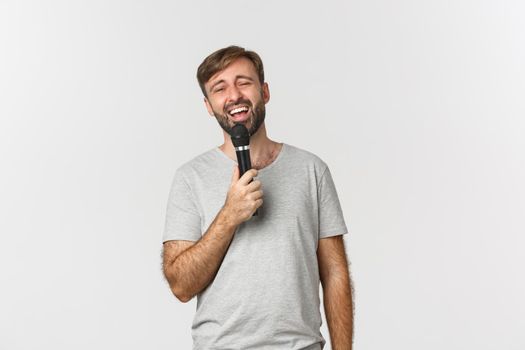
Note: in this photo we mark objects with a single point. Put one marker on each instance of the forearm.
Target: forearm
(337, 295)
(195, 268)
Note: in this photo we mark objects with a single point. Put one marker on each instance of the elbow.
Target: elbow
(176, 289)
(181, 295)
(183, 298)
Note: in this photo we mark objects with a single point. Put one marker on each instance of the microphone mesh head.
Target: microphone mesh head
(240, 135)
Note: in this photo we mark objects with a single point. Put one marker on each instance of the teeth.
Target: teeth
(238, 110)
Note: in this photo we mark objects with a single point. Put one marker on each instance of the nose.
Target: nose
(234, 94)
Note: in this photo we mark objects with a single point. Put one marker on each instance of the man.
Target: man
(256, 278)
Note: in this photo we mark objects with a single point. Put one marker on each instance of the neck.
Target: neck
(262, 150)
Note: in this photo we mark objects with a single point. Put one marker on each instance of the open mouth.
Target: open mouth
(239, 113)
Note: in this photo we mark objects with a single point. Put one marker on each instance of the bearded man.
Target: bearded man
(256, 278)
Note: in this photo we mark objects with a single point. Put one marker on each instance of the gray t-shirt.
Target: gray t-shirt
(266, 292)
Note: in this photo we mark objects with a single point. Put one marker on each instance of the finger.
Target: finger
(253, 186)
(257, 195)
(248, 176)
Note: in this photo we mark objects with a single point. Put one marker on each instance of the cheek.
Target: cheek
(216, 105)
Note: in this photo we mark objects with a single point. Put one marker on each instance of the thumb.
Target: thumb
(235, 175)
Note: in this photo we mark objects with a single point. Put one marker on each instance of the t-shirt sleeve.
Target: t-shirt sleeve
(331, 220)
(183, 221)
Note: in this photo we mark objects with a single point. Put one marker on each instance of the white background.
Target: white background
(417, 107)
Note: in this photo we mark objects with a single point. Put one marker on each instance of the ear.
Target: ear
(266, 93)
(208, 107)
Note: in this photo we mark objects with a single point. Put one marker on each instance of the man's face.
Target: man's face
(235, 95)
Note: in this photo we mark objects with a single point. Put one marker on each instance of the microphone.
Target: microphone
(241, 142)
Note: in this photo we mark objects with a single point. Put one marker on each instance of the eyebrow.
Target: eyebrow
(240, 76)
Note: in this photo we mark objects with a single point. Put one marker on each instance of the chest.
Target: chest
(289, 212)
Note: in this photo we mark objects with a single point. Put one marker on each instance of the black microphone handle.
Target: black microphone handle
(245, 164)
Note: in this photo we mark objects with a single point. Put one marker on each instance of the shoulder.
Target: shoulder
(199, 164)
(306, 158)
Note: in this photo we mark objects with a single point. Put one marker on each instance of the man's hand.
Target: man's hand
(244, 197)
(190, 267)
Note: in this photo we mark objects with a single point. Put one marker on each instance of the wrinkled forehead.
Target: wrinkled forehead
(240, 67)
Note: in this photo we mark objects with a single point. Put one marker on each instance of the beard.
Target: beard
(256, 118)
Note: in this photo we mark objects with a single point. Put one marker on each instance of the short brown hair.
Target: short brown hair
(221, 59)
